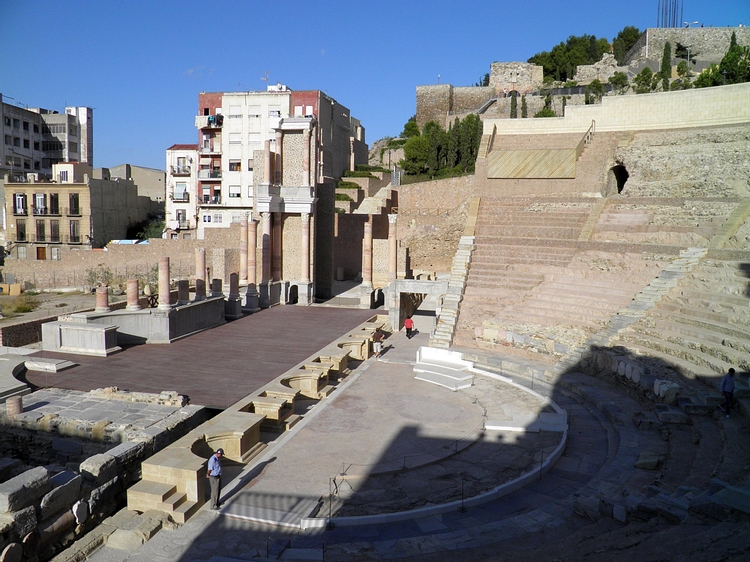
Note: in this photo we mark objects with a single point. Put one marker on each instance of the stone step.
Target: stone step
(731, 330)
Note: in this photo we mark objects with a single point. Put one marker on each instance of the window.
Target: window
(206, 218)
(182, 218)
(235, 111)
(206, 194)
(216, 199)
(217, 218)
(17, 142)
(64, 177)
(75, 232)
(22, 252)
(25, 125)
(235, 166)
(250, 165)
(235, 191)
(237, 218)
(16, 123)
(235, 138)
(36, 145)
(7, 121)
(54, 203)
(54, 231)
(254, 138)
(51, 146)
(8, 140)
(36, 128)
(27, 164)
(74, 208)
(57, 129)
(298, 110)
(19, 204)
(26, 143)
(37, 165)
(180, 192)
(55, 253)
(73, 147)
(73, 130)
(21, 230)
(40, 203)
(41, 234)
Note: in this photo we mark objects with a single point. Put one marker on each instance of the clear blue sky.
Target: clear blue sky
(141, 63)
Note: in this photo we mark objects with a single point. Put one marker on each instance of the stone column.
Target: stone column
(267, 169)
(276, 247)
(251, 294)
(266, 248)
(132, 292)
(392, 248)
(200, 274)
(306, 158)
(305, 262)
(164, 297)
(183, 291)
(367, 255)
(243, 250)
(233, 305)
(102, 299)
(279, 158)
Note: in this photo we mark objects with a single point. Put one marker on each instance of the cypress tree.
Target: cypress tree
(524, 107)
(513, 106)
(666, 66)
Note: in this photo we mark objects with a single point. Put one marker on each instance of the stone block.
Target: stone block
(670, 414)
(648, 460)
(148, 527)
(24, 490)
(123, 539)
(619, 513)
(587, 507)
(128, 452)
(560, 348)
(61, 497)
(647, 382)
(24, 521)
(103, 494)
(490, 334)
(99, 468)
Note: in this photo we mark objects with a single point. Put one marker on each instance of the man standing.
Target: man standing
(727, 389)
(377, 342)
(214, 477)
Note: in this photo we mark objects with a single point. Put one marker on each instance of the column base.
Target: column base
(366, 296)
(252, 300)
(304, 290)
(233, 309)
(273, 293)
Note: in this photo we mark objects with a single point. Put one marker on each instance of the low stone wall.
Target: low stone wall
(42, 511)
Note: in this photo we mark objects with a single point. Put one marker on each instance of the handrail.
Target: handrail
(586, 140)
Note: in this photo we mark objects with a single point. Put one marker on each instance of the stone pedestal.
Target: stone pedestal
(252, 299)
(183, 292)
(216, 288)
(200, 274)
(233, 304)
(304, 293)
(164, 296)
(243, 250)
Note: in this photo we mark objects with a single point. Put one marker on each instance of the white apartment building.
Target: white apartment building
(213, 184)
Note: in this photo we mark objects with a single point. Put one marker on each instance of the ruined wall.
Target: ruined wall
(602, 70)
(707, 43)
(433, 103)
(522, 77)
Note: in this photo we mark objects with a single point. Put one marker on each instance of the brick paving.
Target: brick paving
(217, 367)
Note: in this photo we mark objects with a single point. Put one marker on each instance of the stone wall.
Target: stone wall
(434, 103)
(523, 77)
(88, 467)
(707, 43)
(602, 70)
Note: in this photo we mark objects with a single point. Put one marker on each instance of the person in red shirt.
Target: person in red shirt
(409, 325)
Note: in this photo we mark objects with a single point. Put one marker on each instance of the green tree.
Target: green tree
(454, 143)
(484, 80)
(666, 66)
(415, 155)
(513, 105)
(411, 129)
(595, 90)
(619, 81)
(560, 63)
(625, 39)
(709, 77)
(471, 136)
(682, 52)
(644, 81)
(733, 66)
(546, 112)
(524, 107)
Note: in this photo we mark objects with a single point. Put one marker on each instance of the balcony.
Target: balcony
(209, 174)
(209, 121)
(180, 198)
(40, 210)
(210, 148)
(212, 200)
(73, 239)
(72, 211)
(54, 238)
(20, 211)
(21, 237)
(180, 170)
(40, 237)
(184, 225)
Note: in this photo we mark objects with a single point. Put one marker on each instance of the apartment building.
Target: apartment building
(73, 209)
(33, 139)
(212, 185)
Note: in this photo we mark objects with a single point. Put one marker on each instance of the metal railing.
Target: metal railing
(180, 170)
(209, 174)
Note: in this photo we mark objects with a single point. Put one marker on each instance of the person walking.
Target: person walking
(377, 342)
(214, 477)
(727, 389)
(409, 325)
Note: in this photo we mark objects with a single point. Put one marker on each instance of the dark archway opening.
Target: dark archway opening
(621, 176)
(293, 295)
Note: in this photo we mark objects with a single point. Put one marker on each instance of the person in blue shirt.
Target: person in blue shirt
(214, 477)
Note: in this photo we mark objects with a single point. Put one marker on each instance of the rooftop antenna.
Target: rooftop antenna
(265, 78)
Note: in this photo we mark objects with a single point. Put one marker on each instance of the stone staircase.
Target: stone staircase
(376, 204)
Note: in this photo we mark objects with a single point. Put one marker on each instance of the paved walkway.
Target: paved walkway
(366, 425)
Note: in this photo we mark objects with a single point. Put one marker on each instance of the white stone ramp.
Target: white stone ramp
(531, 423)
(283, 511)
(443, 367)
